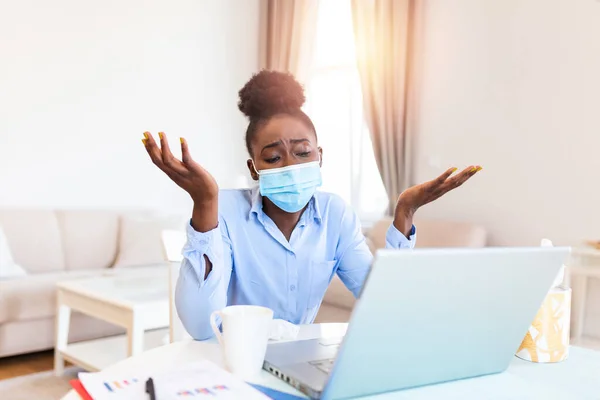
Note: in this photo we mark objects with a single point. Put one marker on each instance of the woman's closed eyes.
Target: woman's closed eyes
(275, 158)
(272, 160)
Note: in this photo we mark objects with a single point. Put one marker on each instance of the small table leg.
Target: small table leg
(63, 320)
(580, 302)
(135, 337)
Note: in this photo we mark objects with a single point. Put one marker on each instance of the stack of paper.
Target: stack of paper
(199, 380)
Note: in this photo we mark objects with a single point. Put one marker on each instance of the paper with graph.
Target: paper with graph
(200, 380)
(101, 386)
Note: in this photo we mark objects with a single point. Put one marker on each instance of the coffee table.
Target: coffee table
(139, 302)
(583, 265)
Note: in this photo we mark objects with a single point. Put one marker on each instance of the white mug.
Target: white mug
(244, 339)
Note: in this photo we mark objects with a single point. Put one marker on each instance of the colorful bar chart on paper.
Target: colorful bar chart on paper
(210, 391)
(113, 386)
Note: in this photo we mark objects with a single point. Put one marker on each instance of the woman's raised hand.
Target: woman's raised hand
(186, 173)
(190, 176)
(417, 196)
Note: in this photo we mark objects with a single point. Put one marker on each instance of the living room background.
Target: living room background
(510, 85)
(74, 106)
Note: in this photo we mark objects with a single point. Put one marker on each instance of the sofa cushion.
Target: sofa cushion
(440, 233)
(140, 238)
(34, 239)
(328, 313)
(338, 296)
(89, 238)
(34, 296)
(432, 233)
(8, 267)
(39, 334)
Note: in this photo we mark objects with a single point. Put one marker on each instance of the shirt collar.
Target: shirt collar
(313, 211)
(256, 202)
(316, 210)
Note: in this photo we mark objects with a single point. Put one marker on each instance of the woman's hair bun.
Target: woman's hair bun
(270, 92)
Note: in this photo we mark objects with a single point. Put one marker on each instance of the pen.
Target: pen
(150, 389)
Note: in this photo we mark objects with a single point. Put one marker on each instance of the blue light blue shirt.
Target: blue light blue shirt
(253, 263)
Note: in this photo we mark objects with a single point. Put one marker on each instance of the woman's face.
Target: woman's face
(282, 141)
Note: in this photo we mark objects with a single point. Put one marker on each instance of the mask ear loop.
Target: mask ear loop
(255, 170)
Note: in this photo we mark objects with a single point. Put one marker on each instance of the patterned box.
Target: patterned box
(547, 340)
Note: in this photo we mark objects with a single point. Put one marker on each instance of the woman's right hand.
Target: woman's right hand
(190, 176)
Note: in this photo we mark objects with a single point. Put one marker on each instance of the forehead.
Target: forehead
(283, 127)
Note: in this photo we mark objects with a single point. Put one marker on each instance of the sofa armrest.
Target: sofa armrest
(433, 233)
(338, 295)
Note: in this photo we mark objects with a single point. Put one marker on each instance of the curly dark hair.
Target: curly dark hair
(269, 93)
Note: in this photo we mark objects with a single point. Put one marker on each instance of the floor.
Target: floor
(11, 367)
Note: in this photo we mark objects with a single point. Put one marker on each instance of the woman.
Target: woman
(277, 245)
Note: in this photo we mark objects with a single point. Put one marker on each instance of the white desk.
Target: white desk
(576, 378)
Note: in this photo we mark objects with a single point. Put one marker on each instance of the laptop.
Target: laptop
(425, 317)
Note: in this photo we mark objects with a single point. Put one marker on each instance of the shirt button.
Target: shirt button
(293, 287)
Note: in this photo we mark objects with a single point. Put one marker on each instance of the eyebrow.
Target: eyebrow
(277, 143)
(274, 144)
(294, 141)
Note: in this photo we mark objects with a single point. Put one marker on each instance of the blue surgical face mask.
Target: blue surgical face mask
(290, 188)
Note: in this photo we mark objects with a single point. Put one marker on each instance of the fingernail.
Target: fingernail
(146, 135)
(474, 169)
(144, 141)
(181, 140)
(479, 168)
(160, 135)
(454, 169)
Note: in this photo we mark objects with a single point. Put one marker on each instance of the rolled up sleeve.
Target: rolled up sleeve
(195, 297)
(394, 239)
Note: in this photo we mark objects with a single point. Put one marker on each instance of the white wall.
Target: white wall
(513, 85)
(80, 81)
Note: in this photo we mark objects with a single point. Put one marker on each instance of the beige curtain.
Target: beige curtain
(288, 33)
(382, 34)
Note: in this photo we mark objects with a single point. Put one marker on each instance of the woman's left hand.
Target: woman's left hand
(416, 196)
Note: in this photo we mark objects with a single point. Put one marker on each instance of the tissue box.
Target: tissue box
(548, 337)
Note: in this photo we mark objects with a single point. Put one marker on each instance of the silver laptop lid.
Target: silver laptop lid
(429, 316)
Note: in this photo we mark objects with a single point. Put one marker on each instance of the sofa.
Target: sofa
(338, 301)
(56, 245)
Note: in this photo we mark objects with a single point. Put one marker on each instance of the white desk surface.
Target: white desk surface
(576, 378)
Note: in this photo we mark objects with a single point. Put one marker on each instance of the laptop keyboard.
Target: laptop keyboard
(334, 341)
(324, 365)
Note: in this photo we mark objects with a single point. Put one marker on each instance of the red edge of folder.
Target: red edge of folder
(78, 387)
